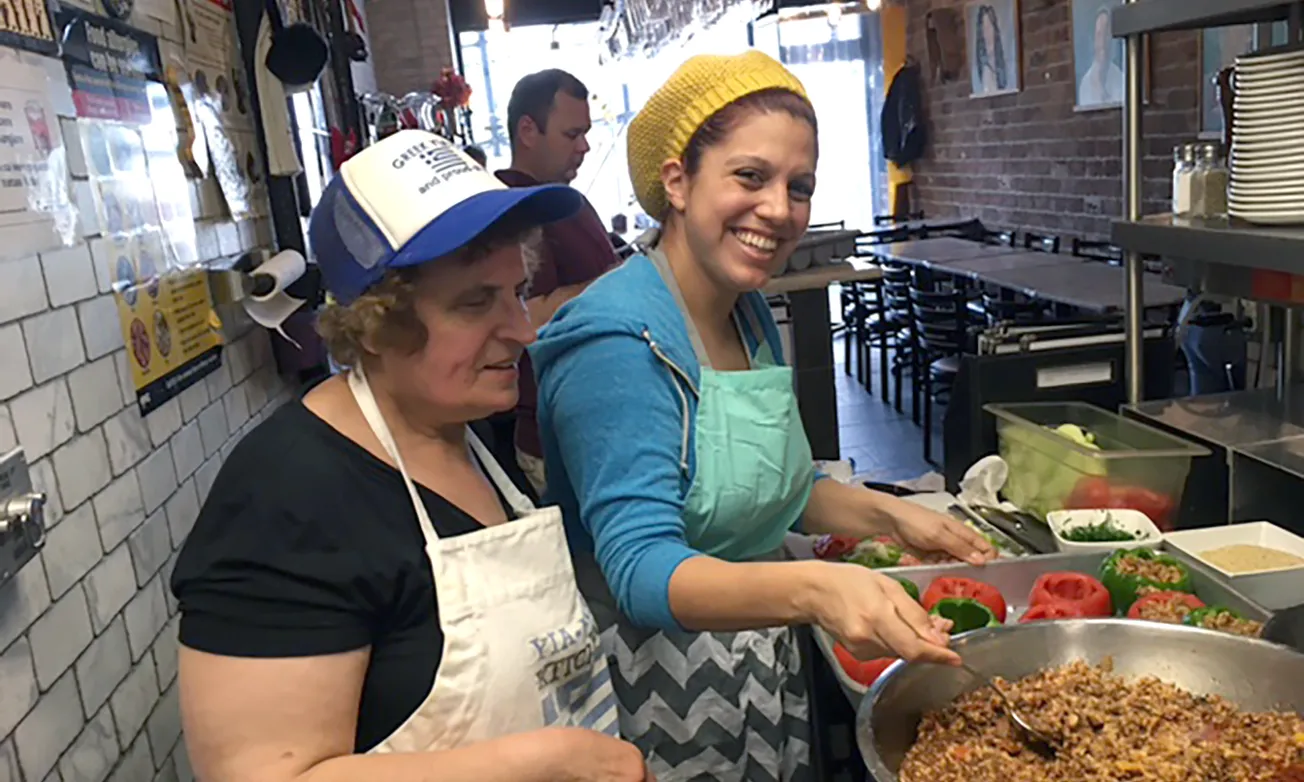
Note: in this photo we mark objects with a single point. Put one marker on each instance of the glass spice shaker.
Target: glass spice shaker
(1212, 179)
(1183, 176)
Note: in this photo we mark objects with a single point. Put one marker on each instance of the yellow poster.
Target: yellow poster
(166, 320)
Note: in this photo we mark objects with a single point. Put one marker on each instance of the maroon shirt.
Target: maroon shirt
(575, 251)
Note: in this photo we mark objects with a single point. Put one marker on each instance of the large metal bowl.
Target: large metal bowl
(1255, 675)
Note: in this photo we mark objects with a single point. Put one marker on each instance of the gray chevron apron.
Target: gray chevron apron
(722, 706)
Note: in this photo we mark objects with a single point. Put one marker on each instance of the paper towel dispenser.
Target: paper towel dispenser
(22, 515)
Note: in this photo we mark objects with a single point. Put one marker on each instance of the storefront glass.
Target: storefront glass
(833, 60)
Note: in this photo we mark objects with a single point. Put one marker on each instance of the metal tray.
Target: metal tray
(1015, 576)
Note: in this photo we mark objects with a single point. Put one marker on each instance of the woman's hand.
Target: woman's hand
(580, 755)
(873, 617)
(928, 530)
(839, 509)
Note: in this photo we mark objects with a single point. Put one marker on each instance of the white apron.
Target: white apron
(521, 650)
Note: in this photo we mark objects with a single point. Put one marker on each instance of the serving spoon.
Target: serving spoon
(1039, 740)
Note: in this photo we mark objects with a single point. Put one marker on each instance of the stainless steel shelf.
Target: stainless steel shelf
(1229, 242)
(1235, 420)
(1150, 16)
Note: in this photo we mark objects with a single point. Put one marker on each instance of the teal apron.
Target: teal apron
(722, 706)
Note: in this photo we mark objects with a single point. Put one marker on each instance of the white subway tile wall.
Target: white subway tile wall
(88, 629)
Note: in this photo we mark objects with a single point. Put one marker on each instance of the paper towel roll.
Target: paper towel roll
(270, 305)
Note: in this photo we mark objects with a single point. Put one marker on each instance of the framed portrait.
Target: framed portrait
(1219, 48)
(994, 47)
(1098, 57)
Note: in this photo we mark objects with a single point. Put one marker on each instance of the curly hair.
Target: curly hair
(384, 318)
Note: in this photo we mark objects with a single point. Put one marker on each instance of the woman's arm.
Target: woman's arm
(293, 720)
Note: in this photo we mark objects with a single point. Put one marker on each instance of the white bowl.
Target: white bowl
(1062, 521)
(1272, 589)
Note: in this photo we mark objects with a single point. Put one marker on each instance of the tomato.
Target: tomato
(1192, 602)
(834, 546)
(1051, 611)
(1090, 493)
(1096, 493)
(1157, 507)
(864, 672)
(1079, 589)
(956, 586)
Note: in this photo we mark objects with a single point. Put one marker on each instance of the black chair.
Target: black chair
(1041, 242)
(988, 236)
(939, 313)
(969, 229)
(1096, 251)
(890, 219)
(895, 307)
(865, 320)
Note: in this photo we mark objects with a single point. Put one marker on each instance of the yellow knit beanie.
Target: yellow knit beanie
(701, 87)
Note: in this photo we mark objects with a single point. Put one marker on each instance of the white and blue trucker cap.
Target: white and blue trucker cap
(411, 198)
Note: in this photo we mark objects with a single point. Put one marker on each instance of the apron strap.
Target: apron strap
(521, 504)
(376, 420)
(662, 265)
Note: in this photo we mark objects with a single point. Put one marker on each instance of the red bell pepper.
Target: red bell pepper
(1142, 603)
(834, 546)
(1051, 611)
(958, 586)
(864, 672)
(1079, 589)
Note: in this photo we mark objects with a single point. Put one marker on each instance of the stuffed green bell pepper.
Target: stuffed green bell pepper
(965, 614)
(1225, 620)
(1129, 573)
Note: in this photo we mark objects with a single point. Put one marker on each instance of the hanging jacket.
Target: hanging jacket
(904, 135)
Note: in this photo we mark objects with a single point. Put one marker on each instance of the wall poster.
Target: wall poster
(166, 322)
(26, 24)
(35, 207)
(129, 136)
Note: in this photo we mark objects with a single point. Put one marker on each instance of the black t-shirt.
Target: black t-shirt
(308, 545)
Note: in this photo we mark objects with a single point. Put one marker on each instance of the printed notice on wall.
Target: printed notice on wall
(166, 321)
(216, 72)
(33, 167)
(26, 24)
(110, 65)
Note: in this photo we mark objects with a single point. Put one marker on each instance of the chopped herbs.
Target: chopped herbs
(1106, 531)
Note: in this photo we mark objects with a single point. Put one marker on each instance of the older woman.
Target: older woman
(676, 451)
(364, 595)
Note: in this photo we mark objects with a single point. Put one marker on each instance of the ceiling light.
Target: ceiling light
(494, 8)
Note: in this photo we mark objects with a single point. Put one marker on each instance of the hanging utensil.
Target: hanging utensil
(354, 44)
(298, 53)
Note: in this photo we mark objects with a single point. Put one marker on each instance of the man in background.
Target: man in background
(547, 122)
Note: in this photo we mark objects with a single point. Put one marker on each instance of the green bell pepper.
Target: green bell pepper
(1197, 617)
(1123, 587)
(910, 587)
(965, 613)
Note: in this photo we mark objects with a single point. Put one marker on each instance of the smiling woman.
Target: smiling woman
(675, 449)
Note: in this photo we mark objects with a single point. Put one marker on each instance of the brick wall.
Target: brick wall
(1028, 160)
(88, 650)
(410, 42)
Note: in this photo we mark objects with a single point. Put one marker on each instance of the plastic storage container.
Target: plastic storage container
(1128, 465)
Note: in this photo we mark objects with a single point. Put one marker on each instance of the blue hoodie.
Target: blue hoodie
(612, 420)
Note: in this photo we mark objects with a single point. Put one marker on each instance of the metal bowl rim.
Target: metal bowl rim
(877, 770)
